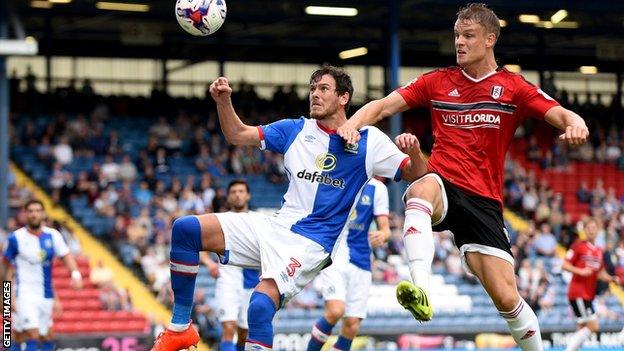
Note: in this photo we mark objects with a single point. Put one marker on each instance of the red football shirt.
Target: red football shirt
(584, 254)
(474, 122)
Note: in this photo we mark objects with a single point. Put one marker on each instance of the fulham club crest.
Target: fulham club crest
(497, 91)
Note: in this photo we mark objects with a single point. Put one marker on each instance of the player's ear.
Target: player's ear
(490, 40)
(344, 98)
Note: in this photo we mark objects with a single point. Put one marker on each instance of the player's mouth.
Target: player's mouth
(461, 52)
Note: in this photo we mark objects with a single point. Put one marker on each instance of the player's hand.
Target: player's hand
(575, 135)
(214, 270)
(408, 143)
(76, 280)
(348, 133)
(584, 272)
(220, 90)
(376, 238)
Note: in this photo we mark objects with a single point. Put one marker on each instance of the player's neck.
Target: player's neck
(34, 230)
(481, 69)
(331, 123)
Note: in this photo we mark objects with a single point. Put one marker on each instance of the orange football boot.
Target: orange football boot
(170, 340)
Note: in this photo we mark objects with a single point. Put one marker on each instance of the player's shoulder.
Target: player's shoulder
(51, 231)
(578, 244)
(440, 73)
(513, 78)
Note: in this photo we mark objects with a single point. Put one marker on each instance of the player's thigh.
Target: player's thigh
(27, 308)
(430, 188)
(45, 316)
(228, 292)
(497, 277)
(291, 261)
(241, 233)
(244, 308)
(334, 282)
(359, 282)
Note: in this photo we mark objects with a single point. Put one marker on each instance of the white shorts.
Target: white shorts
(34, 312)
(232, 298)
(347, 282)
(255, 240)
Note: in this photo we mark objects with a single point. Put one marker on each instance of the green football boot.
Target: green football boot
(415, 300)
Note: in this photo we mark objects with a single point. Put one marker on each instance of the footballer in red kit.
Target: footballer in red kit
(585, 261)
(475, 109)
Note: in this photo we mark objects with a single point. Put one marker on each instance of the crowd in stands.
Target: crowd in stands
(137, 190)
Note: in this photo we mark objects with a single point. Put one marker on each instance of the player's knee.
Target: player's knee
(333, 313)
(593, 326)
(186, 232)
(350, 327)
(426, 189)
(229, 328)
(505, 302)
(261, 309)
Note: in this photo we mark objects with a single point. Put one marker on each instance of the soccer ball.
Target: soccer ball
(200, 17)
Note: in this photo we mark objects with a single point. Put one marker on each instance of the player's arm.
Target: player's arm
(606, 277)
(370, 114)
(379, 237)
(76, 276)
(584, 272)
(235, 131)
(574, 127)
(213, 267)
(417, 165)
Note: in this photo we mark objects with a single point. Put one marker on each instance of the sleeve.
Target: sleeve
(387, 160)
(532, 101)
(381, 205)
(571, 255)
(60, 247)
(11, 250)
(415, 93)
(277, 136)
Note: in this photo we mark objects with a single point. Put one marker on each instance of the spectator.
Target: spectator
(110, 169)
(63, 152)
(127, 170)
(101, 275)
(545, 242)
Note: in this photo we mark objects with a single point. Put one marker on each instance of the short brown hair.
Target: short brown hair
(479, 13)
(32, 202)
(342, 78)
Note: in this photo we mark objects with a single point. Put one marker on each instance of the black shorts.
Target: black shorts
(474, 220)
(583, 310)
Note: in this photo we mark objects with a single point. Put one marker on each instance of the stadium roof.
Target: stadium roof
(280, 31)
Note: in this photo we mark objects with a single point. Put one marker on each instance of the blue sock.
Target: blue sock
(32, 345)
(343, 343)
(227, 346)
(48, 346)
(15, 346)
(260, 319)
(184, 265)
(240, 347)
(320, 332)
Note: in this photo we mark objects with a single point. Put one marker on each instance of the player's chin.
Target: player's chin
(317, 115)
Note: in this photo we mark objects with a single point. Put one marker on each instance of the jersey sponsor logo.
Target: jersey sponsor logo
(292, 266)
(470, 120)
(325, 162)
(497, 91)
(325, 179)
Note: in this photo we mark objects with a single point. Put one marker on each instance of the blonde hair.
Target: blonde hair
(479, 13)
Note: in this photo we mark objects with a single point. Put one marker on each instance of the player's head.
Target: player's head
(238, 195)
(330, 92)
(591, 229)
(35, 213)
(476, 31)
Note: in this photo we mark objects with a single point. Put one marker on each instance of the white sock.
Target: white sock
(524, 327)
(579, 337)
(418, 241)
(178, 327)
